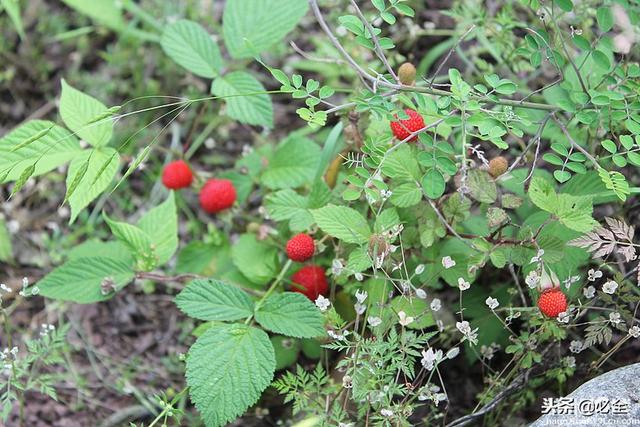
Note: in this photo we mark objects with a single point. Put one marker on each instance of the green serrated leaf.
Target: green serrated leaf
(245, 97)
(77, 109)
(252, 26)
(228, 368)
(86, 280)
(290, 314)
(214, 300)
(189, 44)
(342, 223)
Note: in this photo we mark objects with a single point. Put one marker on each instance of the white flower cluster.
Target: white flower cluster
(469, 334)
(6, 354)
(359, 306)
(432, 392)
(46, 329)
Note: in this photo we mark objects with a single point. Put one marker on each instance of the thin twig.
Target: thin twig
(446, 58)
(408, 88)
(376, 42)
(574, 143)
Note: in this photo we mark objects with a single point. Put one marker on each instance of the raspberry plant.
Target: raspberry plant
(443, 209)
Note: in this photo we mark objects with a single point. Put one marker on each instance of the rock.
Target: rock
(611, 399)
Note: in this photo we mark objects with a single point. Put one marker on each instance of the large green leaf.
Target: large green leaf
(103, 165)
(573, 211)
(256, 260)
(86, 280)
(137, 240)
(161, 225)
(214, 300)
(291, 314)
(228, 368)
(106, 12)
(79, 112)
(253, 26)
(342, 223)
(288, 205)
(12, 7)
(245, 98)
(96, 248)
(37, 140)
(293, 164)
(187, 43)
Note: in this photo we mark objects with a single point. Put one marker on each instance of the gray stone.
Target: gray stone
(611, 399)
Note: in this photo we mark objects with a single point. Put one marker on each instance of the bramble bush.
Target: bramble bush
(423, 215)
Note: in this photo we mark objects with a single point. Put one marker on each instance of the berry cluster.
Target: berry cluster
(215, 196)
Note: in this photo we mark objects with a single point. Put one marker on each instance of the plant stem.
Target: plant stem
(273, 286)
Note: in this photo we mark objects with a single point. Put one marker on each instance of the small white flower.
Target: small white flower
(570, 281)
(421, 293)
(589, 292)
(448, 262)
(538, 256)
(532, 279)
(420, 269)
(374, 321)
(358, 277)
(335, 335)
(488, 352)
(614, 318)
(593, 275)
(564, 317)
(569, 361)
(5, 288)
(406, 286)
(635, 331)
(463, 284)
(628, 252)
(492, 303)
(576, 346)
(361, 296)
(469, 334)
(610, 287)
(386, 413)
(322, 303)
(336, 267)
(360, 308)
(347, 381)
(35, 290)
(404, 319)
(431, 358)
(451, 354)
(436, 304)
(463, 327)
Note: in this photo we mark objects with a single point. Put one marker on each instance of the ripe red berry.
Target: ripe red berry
(310, 281)
(403, 128)
(300, 247)
(177, 175)
(552, 302)
(217, 195)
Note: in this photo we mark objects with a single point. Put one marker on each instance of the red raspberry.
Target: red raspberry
(310, 281)
(217, 195)
(552, 302)
(177, 175)
(300, 247)
(403, 128)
